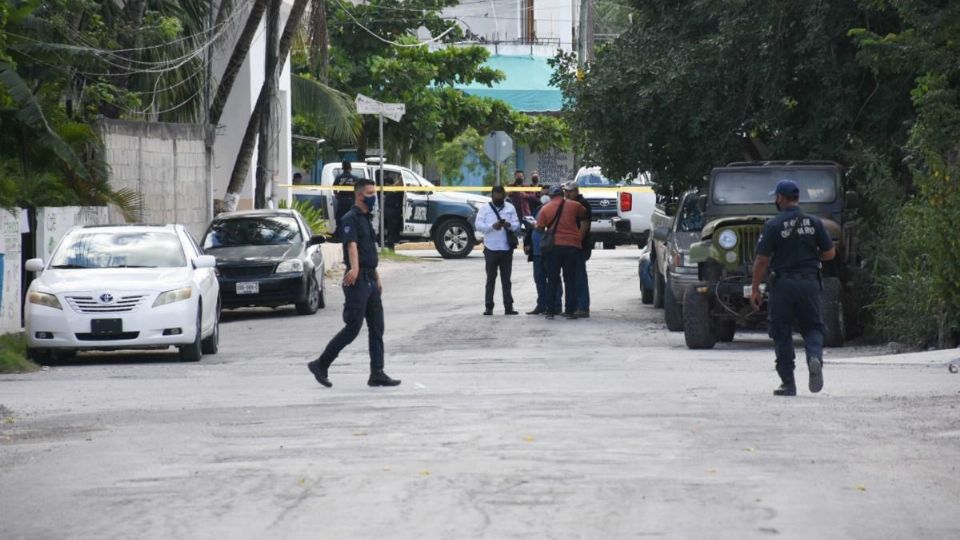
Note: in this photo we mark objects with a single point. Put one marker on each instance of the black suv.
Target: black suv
(735, 208)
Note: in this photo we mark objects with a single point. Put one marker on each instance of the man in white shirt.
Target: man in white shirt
(500, 226)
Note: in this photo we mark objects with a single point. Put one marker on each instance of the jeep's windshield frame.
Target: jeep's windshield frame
(752, 185)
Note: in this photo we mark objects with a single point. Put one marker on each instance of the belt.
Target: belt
(368, 271)
(798, 275)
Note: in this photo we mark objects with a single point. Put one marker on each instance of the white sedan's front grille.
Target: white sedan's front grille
(89, 304)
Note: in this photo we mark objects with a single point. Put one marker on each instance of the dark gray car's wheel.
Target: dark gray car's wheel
(657, 288)
(609, 245)
(211, 344)
(831, 310)
(454, 239)
(194, 351)
(698, 329)
(672, 309)
(311, 303)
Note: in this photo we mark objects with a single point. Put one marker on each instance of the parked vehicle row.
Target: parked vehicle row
(110, 287)
(698, 264)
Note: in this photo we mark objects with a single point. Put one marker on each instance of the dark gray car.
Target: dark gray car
(673, 270)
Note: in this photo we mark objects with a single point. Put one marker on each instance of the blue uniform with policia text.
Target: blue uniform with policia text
(362, 299)
(794, 242)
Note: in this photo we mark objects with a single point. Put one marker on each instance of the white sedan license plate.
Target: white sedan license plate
(248, 288)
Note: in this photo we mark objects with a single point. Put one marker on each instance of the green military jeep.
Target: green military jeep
(735, 207)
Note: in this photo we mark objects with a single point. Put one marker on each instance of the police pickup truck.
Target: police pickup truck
(445, 218)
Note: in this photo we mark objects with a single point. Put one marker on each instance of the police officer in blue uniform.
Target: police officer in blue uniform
(362, 289)
(793, 245)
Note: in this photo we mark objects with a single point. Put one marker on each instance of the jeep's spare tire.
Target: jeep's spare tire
(453, 238)
(831, 310)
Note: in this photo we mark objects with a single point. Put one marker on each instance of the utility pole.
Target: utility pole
(582, 33)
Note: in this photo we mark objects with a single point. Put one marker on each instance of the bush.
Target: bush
(13, 354)
(312, 215)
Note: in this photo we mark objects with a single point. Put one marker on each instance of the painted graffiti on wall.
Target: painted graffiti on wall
(10, 271)
(554, 166)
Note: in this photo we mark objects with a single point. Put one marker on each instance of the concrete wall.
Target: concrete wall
(10, 272)
(165, 164)
(554, 166)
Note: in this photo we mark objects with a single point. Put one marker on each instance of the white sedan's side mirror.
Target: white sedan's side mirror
(34, 265)
(205, 261)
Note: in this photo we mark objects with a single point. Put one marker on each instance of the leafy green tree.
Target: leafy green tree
(692, 85)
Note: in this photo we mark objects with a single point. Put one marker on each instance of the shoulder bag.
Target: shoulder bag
(549, 239)
(512, 239)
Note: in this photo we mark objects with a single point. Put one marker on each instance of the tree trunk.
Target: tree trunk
(239, 54)
(242, 164)
(265, 165)
(319, 57)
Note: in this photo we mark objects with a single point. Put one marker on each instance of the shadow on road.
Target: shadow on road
(247, 314)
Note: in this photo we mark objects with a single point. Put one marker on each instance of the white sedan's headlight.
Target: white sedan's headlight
(44, 299)
(290, 265)
(175, 295)
(727, 239)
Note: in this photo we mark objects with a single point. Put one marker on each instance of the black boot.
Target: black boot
(379, 378)
(815, 365)
(319, 369)
(788, 386)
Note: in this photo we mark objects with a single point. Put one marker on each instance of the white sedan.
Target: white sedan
(124, 287)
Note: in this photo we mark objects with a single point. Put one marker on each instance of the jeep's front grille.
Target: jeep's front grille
(749, 236)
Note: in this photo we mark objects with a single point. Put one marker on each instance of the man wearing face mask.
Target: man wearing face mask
(536, 199)
(499, 223)
(793, 244)
(362, 290)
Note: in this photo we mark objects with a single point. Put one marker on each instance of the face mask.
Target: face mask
(498, 203)
(545, 199)
(370, 201)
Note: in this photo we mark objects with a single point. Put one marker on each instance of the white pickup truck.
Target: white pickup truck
(619, 217)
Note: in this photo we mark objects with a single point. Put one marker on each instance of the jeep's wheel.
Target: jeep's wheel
(698, 329)
(726, 330)
(672, 309)
(454, 239)
(831, 310)
(657, 287)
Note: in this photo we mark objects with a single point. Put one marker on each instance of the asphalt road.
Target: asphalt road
(503, 428)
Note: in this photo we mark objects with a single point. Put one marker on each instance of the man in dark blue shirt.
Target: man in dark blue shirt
(793, 244)
(362, 290)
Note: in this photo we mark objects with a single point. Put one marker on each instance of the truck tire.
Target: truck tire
(831, 310)
(672, 310)
(453, 238)
(657, 288)
(726, 330)
(698, 331)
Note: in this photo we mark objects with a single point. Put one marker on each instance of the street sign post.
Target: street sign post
(393, 111)
(498, 146)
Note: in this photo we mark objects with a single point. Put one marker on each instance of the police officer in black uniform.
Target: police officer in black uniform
(793, 244)
(362, 289)
(393, 211)
(345, 197)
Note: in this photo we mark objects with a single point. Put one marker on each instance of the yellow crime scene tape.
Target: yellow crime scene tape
(471, 189)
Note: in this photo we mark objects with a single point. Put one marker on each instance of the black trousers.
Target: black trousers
(562, 260)
(362, 301)
(393, 223)
(797, 300)
(502, 262)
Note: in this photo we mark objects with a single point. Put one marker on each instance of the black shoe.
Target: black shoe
(487, 312)
(549, 316)
(582, 314)
(785, 390)
(570, 316)
(320, 372)
(536, 312)
(511, 311)
(815, 365)
(380, 378)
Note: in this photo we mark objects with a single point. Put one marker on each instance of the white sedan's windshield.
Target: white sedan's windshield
(99, 248)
